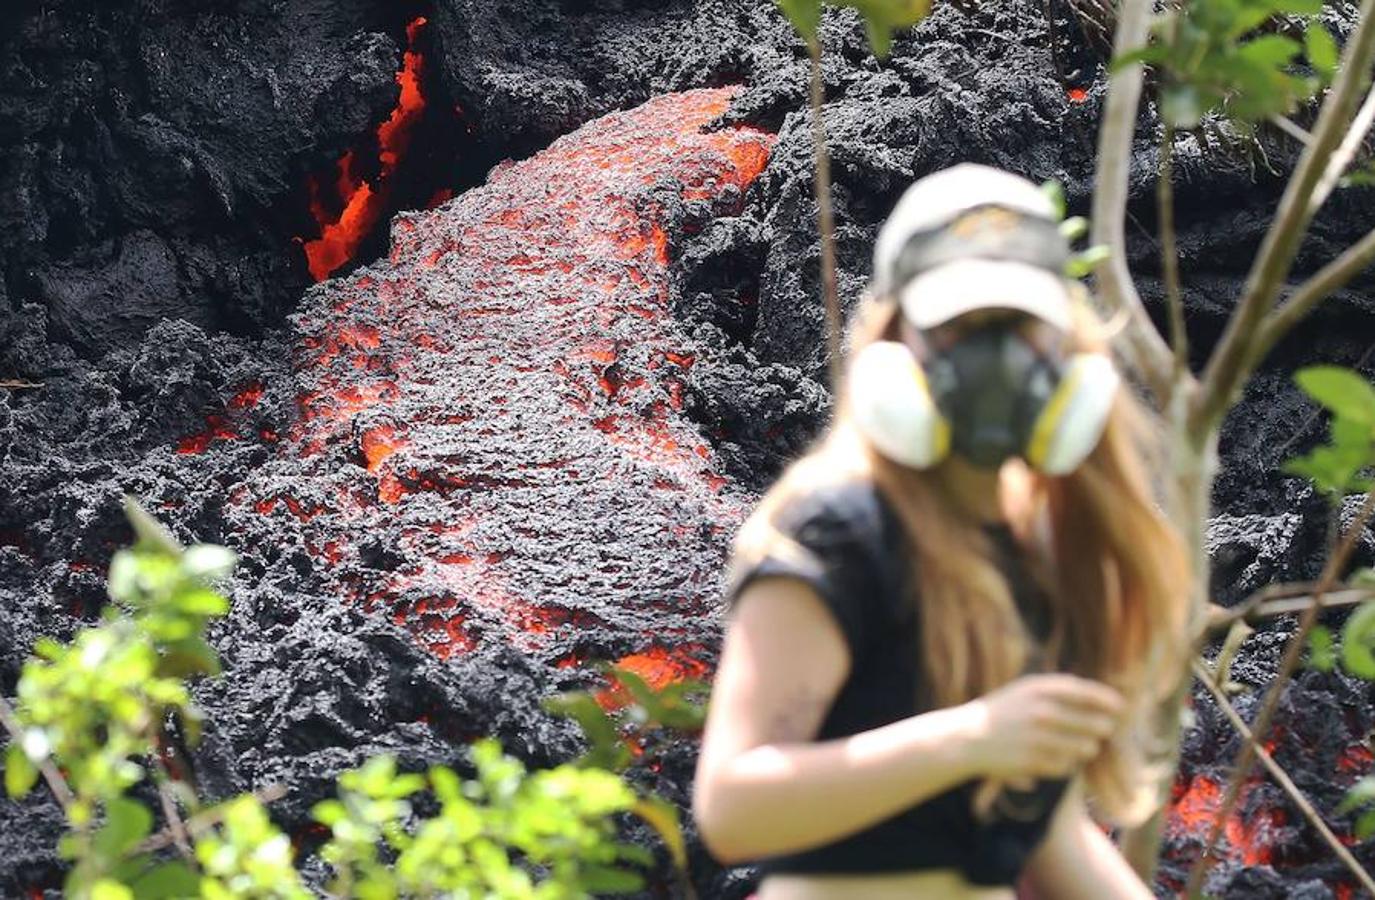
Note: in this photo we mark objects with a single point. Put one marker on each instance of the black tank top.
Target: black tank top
(855, 560)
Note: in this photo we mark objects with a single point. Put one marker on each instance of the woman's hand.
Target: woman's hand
(1042, 726)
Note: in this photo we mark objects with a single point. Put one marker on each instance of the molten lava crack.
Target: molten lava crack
(348, 208)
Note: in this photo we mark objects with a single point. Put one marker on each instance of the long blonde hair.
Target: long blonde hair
(1117, 577)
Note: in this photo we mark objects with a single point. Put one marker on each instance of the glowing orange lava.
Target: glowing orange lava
(1357, 758)
(488, 444)
(1194, 806)
(659, 667)
(218, 427)
(362, 203)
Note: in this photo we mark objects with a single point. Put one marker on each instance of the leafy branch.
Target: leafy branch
(1336, 470)
(92, 715)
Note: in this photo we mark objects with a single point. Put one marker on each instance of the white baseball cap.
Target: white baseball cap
(973, 237)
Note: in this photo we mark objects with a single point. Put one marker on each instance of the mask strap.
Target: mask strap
(911, 335)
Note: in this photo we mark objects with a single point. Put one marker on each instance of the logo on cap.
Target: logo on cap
(986, 219)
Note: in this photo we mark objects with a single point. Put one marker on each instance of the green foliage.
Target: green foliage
(1082, 263)
(1211, 59)
(679, 706)
(646, 712)
(246, 856)
(507, 833)
(1358, 642)
(96, 710)
(1321, 655)
(1362, 793)
(881, 18)
(1335, 467)
(1361, 176)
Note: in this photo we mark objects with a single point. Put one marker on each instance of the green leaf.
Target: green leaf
(1359, 177)
(805, 16)
(1321, 655)
(1321, 50)
(1365, 825)
(582, 708)
(1341, 390)
(1083, 264)
(1354, 437)
(606, 880)
(447, 786)
(168, 881)
(880, 38)
(201, 602)
(883, 17)
(662, 816)
(1055, 193)
(189, 656)
(1150, 54)
(110, 890)
(1181, 106)
(1358, 642)
(150, 532)
(636, 854)
(638, 688)
(1322, 467)
(1297, 7)
(127, 822)
(328, 812)
(20, 772)
(1270, 49)
(208, 561)
(1358, 795)
(1074, 228)
(1248, 20)
(122, 582)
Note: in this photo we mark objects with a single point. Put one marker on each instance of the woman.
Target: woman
(953, 618)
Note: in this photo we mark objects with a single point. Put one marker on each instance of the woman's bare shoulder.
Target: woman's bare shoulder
(784, 659)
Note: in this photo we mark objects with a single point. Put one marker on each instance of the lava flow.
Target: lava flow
(490, 447)
(358, 205)
(1194, 805)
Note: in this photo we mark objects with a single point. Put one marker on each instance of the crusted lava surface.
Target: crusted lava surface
(521, 440)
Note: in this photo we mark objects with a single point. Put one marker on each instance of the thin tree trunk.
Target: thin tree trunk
(1193, 469)
(825, 218)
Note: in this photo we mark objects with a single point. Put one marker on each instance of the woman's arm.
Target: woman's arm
(762, 786)
(1076, 861)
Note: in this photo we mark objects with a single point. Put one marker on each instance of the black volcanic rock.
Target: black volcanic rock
(146, 150)
(153, 157)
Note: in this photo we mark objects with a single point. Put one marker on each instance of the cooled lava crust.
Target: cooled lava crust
(496, 410)
(459, 475)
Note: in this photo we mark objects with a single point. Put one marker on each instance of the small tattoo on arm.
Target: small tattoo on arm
(799, 718)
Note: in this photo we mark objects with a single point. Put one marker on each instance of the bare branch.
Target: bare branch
(56, 783)
(1169, 253)
(175, 826)
(1336, 166)
(20, 385)
(1291, 129)
(1270, 702)
(1282, 779)
(1147, 350)
(1228, 368)
(1328, 280)
(826, 218)
(1264, 605)
(204, 821)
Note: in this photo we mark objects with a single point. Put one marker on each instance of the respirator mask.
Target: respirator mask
(989, 394)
